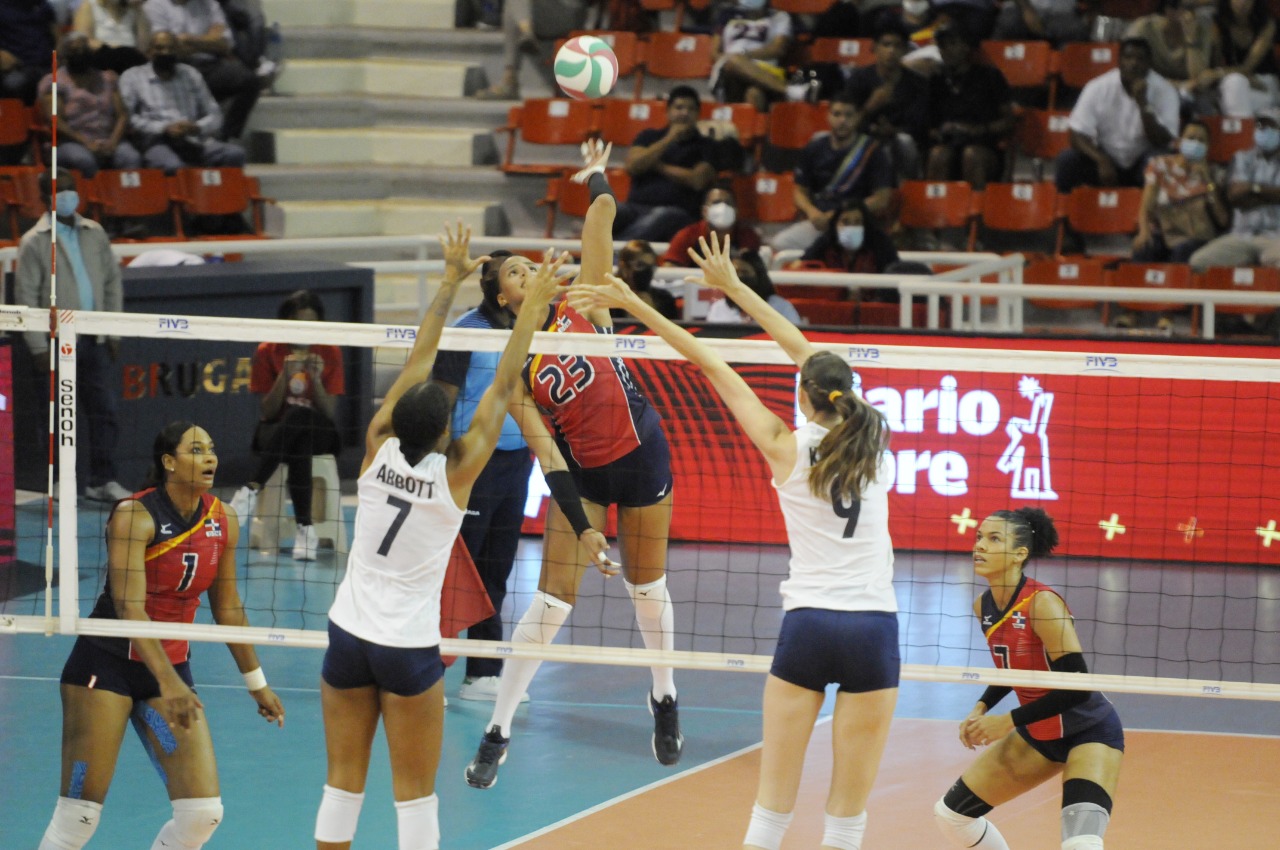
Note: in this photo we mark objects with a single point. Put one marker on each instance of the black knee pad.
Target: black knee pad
(962, 801)
(1084, 791)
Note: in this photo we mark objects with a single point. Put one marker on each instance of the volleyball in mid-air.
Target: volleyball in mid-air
(586, 67)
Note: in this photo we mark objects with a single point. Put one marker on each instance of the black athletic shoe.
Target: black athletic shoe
(667, 740)
(483, 770)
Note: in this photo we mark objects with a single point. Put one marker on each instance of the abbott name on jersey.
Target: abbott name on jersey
(409, 484)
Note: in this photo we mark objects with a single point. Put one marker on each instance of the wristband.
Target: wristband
(993, 694)
(565, 492)
(255, 679)
(598, 185)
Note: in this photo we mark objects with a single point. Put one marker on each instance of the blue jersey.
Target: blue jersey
(472, 372)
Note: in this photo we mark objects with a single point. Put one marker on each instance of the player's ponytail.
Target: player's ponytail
(1032, 528)
(850, 453)
(165, 443)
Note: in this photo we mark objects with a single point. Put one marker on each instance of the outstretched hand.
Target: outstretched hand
(595, 159)
(457, 253)
(547, 282)
(612, 292)
(716, 264)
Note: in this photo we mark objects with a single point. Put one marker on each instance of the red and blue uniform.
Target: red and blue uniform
(181, 564)
(596, 411)
(1015, 646)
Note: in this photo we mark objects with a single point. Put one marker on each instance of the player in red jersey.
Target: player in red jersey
(1075, 733)
(600, 444)
(166, 545)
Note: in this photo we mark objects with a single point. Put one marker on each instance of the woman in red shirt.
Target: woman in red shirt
(299, 385)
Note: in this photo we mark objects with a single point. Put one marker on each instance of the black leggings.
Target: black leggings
(299, 435)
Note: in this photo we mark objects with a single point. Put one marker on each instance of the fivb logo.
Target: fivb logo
(173, 325)
(400, 336)
(1026, 458)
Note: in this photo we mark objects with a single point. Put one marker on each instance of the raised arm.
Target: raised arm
(228, 610)
(718, 273)
(770, 434)
(597, 228)
(458, 266)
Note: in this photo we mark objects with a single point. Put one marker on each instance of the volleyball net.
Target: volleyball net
(1158, 471)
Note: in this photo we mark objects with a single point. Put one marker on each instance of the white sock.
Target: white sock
(844, 833)
(418, 822)
(767, 828)
(656, 618)
(539, 624)
(964, 831)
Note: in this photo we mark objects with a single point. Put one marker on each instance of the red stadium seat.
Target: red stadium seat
(1065, 271)
(220, 191)
(677, 55)
(622, 120)
(546, 121)
(1247, 279)
(565, 196)
(141, 193)
(802, 7)
(1042, 135)
(1025, 64)
(20, 196)
(1019, 207)
(824, 311)
(766, 197)
(1080, 61)
(1228, 136)
(744, 117)
(1095, 211)
(937, 204)
(843, 51)
(792, 125)
(15, 122)
(1153, 276)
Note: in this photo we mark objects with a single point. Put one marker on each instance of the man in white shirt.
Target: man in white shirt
(1120, 120)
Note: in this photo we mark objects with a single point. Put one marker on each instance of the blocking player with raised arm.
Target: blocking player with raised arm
(166, 545)
(1052, 731)
(383, 659)
(604, 446)
(840, 624)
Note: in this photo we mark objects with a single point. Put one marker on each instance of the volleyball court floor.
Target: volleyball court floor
(1198, 772)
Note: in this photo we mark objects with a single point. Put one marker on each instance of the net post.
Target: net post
(68, 536)
(1209, 319)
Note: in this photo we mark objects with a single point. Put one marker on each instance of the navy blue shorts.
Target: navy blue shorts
(351, 662)
(858, 650)
(1107, 731)
(91, 666)
(640, 478)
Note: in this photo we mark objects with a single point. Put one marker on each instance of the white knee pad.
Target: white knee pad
(1083, 842)
(194, 820)
(964, 831)
(339, 811)
(418, 823)
(72, 824)
(652, 600)
(844, 833)
(543, 620)
(767, 828)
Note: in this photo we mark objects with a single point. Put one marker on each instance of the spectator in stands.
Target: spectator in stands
(670, 169)
(94, 120)
(977, 18)
(117, 30)
(751, 271)
(1254, 193)
(173, 117)
(524, 22)
(749, 43)
(1182, 207)
(27, 35)
(971, 108)
(833, 168)
(892, 101)
(1121, 119)
(1247, 37)
(719, 216)
(204, 41)
(637, 262)
(90, 280)
(249, 37)
(855, 243)
(1184, 50)
(1057, 21)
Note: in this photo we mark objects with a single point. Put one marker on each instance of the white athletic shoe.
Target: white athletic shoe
(243, 503)
(483, 689)
(305, 543)
(112, 491)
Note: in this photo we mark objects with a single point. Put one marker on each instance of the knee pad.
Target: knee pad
(1086, 812)
(767, 828)
(72, 825)
(418, 823)
(543, 620)
(844, 833)
(965, 831)
(961, 800)
(651, 599)
(195, 819)
(339, 811)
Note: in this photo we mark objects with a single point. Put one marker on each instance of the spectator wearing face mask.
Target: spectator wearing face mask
(1253, 191)
(637, 262)
(1182, 207)
(751, 271)
(854, 243)
(719, 216)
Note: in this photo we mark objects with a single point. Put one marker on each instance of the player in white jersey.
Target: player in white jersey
(383, 658)
(840, 624)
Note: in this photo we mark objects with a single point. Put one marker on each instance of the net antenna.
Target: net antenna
(53, 353)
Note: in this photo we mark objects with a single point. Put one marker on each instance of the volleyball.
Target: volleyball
(586, 67)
